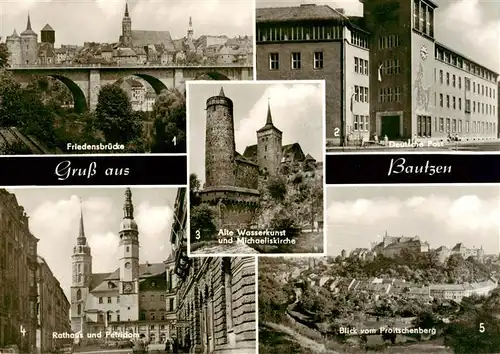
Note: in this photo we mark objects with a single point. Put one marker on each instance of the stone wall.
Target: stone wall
(247, 174)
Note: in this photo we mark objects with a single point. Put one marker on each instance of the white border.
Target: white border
(68, 155)
(256, 304)
(415, 151)
(163, 186)
(254, 39)
(323, 118)
(382, 185)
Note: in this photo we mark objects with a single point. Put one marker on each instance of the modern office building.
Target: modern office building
(386, 72)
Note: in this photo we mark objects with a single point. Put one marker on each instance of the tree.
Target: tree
(4, 56)
(114, 116)
(202, 223)
(11, 100)
(194, 189)
(169, 116)
(276, 186)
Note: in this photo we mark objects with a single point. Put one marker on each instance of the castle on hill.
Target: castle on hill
(232, 179)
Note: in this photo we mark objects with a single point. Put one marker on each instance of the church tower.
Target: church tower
(220, 147)
(126, 29)
(82, 272)
(129, 262)
(29, 45)
(269, 146)
(190, 32)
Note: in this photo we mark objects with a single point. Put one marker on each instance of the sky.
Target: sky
(441, 215)
(76, 22)
(296, 110)
(54, 218)
(481, 18)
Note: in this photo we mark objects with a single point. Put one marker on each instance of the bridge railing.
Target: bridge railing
(124, 66)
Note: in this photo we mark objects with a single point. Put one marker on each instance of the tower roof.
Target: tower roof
(29, 30)
(14, 34)
(190, 22)
(221, 93)
(126, 10)
(81, 240)
(128, 222)
(269, 121)
(47, 28)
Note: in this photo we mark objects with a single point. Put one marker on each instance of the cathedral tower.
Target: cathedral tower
(269, 146)
(82, 272)
(29, 44)
(129, 262)
(220, 148)
(126, 29)
(13, 43)
(190, 32)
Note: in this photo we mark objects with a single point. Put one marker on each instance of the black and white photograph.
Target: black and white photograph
(400, 76)
(109, 76)
(409, 269)
(256, 173)
(106, 270)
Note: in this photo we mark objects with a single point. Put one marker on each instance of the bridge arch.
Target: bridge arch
(79, 100)
(212, 75)
(157, 85)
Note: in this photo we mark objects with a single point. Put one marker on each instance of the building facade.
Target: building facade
(215, 310)
(52, 309)
(420, 87)
(18, 267)
(386, 73)
(316, 42)
(131, 299)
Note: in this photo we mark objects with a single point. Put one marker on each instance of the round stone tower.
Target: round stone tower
(13, 43)
(220, 148)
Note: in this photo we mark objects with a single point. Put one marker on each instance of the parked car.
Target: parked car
(10, 349)
(156, 348)
(124, 344)
(66, 349)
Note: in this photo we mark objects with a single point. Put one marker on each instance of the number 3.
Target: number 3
(198, 235)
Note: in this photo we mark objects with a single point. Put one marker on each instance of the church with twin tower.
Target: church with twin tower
(130, 299)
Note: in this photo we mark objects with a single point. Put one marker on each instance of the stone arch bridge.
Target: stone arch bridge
(85, 81)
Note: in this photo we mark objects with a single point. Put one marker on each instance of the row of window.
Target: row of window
(359, 40)
(390, 67)
(453, 59)
(360, 66)
(300, 33)
(479, 107)
(361, 123)
(452, 126)
(423, 18)
(361, 94)
(481, 89)
(390, 94)
(386, 42)
(296, 60)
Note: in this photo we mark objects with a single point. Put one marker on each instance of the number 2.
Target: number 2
(198, 235)
(336, 132)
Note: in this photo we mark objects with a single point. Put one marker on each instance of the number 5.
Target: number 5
(481, 327)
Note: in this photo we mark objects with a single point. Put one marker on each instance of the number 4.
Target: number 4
(481, 327)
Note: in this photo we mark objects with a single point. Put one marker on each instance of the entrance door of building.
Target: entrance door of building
(390, 127)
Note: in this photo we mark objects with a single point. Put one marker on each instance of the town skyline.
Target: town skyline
(292, 106)
(54, 218)
(442, 216)
(102, 20)
(480, 43)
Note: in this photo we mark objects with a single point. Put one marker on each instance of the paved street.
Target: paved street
(461, 146)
